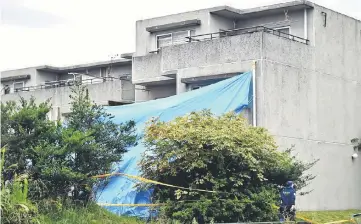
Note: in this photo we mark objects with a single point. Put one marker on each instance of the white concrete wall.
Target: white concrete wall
(146, 42)
(294, 19)
(217, 22)
(42, 77)
(122, 70)
(146, 93)
(305, 104)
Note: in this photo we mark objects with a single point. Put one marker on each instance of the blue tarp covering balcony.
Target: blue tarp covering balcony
(233, 94)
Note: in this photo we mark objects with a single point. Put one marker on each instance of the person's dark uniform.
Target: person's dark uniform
(288, 199)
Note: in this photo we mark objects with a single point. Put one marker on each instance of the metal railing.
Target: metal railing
(240, 31)
(70, 82)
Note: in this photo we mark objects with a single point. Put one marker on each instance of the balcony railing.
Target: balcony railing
(71, 82)
(240, 31)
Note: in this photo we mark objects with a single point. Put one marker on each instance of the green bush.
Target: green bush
(223, 154)
(15, 206)
(60, 159)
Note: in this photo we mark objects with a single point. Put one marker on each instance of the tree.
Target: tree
(223, 154)
(23, 127)
(88, 144)
(59, 158)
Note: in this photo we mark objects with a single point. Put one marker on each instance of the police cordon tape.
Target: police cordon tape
(145, 180)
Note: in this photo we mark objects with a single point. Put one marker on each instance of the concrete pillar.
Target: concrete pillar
(181, 87)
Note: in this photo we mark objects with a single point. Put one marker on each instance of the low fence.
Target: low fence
(70, 82)
(240, 31)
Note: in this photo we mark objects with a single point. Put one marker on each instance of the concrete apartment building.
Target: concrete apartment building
(109, 83)
(308, 73)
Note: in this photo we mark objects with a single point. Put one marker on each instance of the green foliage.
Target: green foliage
(23, 127)
(329, 216)
(91, 214)
(15, 206)
(88, 144)
(62, 158)
(223, 154)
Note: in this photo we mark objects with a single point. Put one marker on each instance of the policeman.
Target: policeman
(288, 199)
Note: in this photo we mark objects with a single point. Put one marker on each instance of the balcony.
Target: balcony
(240, 31)
(103, 91)
(225, 52)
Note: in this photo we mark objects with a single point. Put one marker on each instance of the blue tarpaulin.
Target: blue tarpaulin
(232, 94)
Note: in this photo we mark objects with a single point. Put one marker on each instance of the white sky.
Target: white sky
(65, 32)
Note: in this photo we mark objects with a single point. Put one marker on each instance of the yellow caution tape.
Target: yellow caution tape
(144, 180)
(340, 221)
(305, 219)
(333, 222)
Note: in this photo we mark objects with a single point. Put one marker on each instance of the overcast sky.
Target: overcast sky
(65, 32)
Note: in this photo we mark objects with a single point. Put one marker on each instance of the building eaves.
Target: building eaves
(232, 13)
(84, 66)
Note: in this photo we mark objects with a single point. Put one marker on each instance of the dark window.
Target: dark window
(7, 89)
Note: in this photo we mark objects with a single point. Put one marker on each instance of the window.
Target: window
(164, 40)
(18, 86)
(173, 38)
(7, 89)
(180, 37)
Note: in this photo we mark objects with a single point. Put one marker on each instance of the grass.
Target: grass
(93, 214)
(328, 216)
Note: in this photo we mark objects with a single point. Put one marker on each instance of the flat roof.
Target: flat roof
(233, 13)
(83, 66)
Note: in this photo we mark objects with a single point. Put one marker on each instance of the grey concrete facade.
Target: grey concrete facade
(306, 93)
(108, 82)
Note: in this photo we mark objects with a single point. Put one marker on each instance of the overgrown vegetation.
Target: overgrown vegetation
(47, 169)
(223, 154)
(91, 214)
(15, 206)
(57, 159)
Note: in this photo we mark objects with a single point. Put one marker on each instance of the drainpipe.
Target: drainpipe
(305, 24)
(254, 106)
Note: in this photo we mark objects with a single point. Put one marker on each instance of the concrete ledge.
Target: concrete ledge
(170, 74)
(127, 55)
(208, 78)
(13, 78)
(176, 25)
(218, 69)
(153, 81)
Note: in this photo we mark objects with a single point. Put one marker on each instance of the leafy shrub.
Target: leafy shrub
(61, 158)
(223, 154)
(15, 206)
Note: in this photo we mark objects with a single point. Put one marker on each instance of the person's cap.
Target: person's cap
(289, 183)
